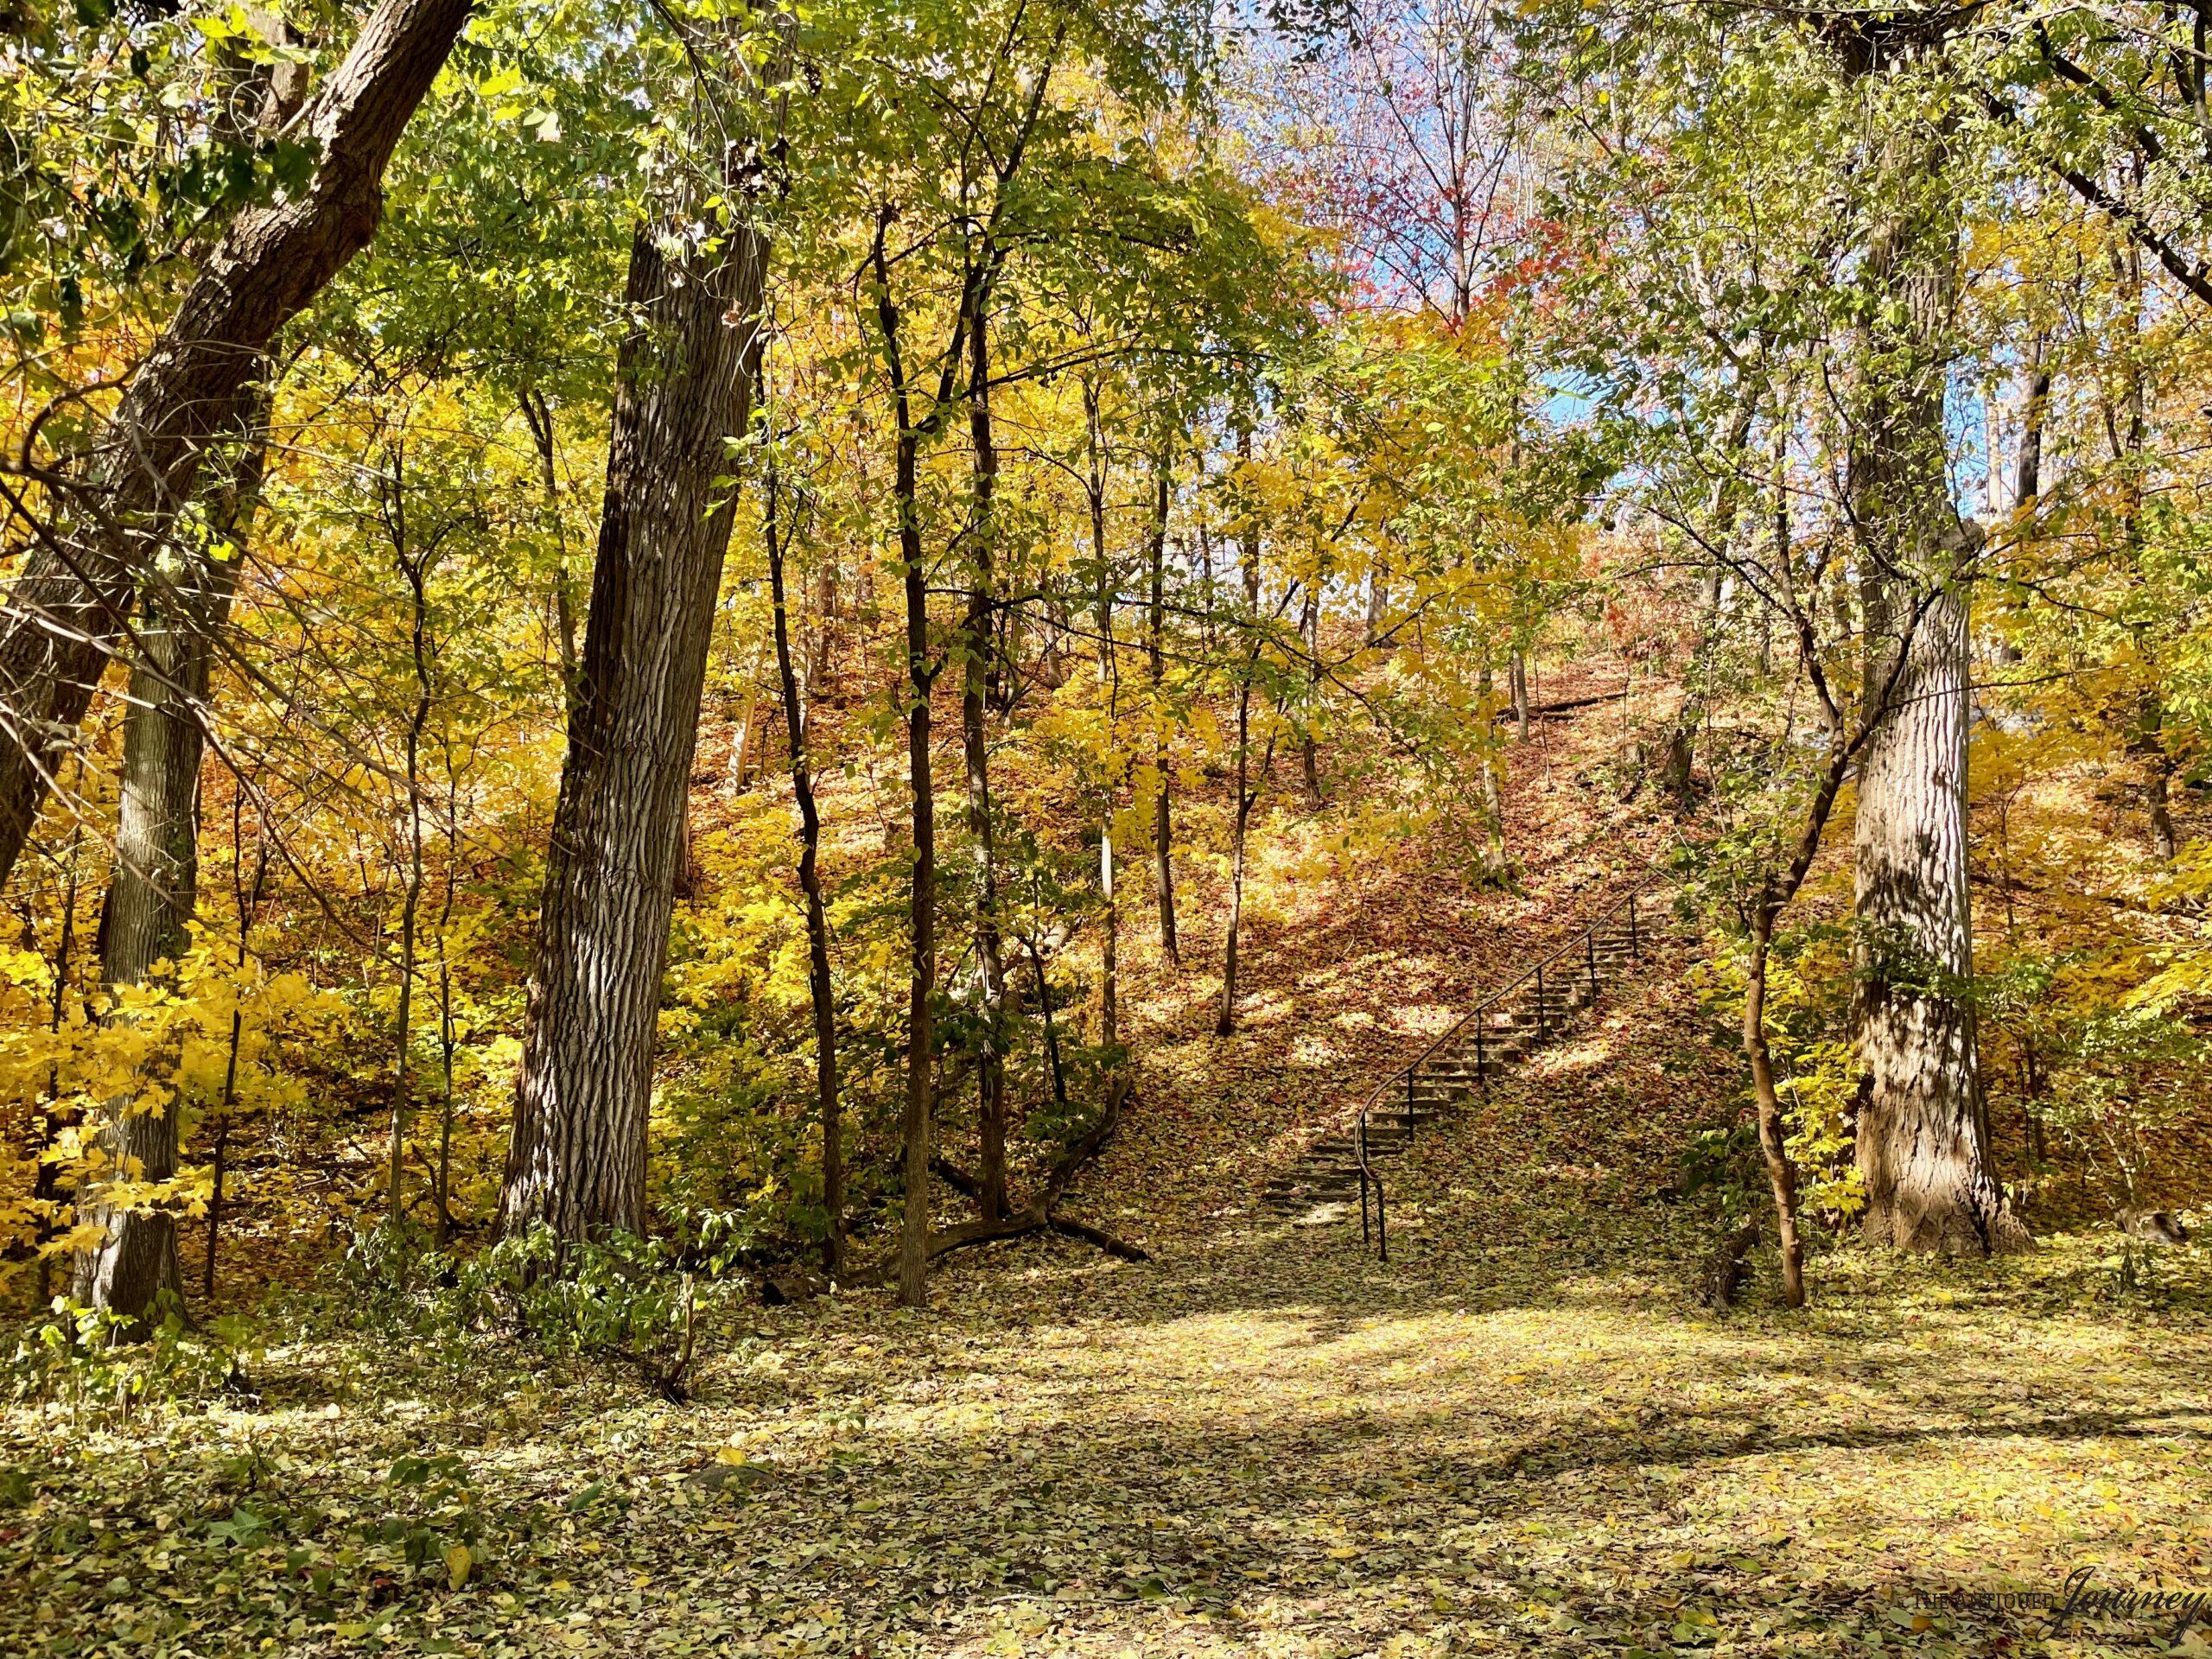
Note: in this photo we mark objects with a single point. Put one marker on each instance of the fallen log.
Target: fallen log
(1119, 1248)
(1568, 705)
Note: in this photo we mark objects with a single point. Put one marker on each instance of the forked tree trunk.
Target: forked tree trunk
(151, 894)
(67, 608)
(577, 1159)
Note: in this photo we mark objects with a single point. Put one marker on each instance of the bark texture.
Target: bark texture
(68, 607)
(1923, 1137)
(577, 1159)
(1924, 1130)
(146, 918)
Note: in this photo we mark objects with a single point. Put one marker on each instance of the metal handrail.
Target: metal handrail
(1367, 1175)
(1587, 939)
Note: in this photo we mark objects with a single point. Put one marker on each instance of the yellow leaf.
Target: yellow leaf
(458, 1561)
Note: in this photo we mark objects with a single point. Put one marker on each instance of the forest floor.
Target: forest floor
(1524, 1435)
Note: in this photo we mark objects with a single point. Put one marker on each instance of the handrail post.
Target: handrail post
(1382, 1224)
(1590, 949)
(1482, 1072)
(1362, 1179)
(1635, 955)
(1543, 1014)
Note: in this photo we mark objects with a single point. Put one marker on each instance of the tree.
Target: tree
(1924, 1134)
(146, 919)
(576, 1160)
(66, 610)
(821, 990)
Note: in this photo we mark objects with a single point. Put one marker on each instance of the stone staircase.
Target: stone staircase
(1537, 1010)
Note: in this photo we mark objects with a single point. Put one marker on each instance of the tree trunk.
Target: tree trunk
(537, 415)
(577, 1159)
(1519, 685)
(1488, 778)
(1782, 1173)
(1309, 757)
(1109, 975)
(1246, 795)
(820, 991)
(2027, 475)
(921, 675)
(1922, 1133)
(67, 607)
(416, 568)
(1226, 1022)
(446, 1047)
(1163, 828)
(249, 906)
(150, 897)
(975, 647)
(913, 1237)
(45, 1185)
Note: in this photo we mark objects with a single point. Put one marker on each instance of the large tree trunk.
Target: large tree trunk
(820, 990)
(68, 609)
(1924, 1131)
(577, 1160)
(1923, 1137)
(147, 917)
